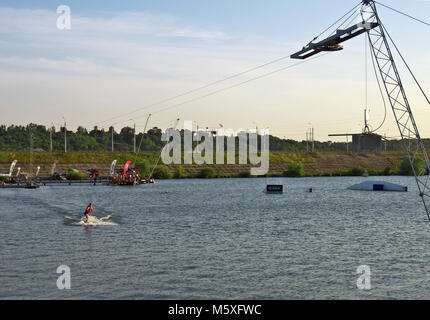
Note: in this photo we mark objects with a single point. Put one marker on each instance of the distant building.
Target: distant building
(363, 143)
(366, 143)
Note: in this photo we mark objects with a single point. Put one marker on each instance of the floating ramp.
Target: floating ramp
(378, 186)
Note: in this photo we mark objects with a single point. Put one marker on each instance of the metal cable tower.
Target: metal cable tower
(399, 102)
(381, 52)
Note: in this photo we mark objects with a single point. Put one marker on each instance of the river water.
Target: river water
(216, 239)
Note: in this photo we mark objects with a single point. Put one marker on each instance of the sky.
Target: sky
(121, 57)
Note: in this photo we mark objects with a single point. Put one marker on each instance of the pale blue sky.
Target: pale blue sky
(123, 55)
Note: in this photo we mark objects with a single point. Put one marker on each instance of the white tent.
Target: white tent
(378, 186)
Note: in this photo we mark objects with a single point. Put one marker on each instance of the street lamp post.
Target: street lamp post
(50, 136)
(65, 135)
(112, 130)
(312, 137)
(256, 127)
(134, 136)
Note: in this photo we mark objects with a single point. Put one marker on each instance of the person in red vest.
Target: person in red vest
(88, 210)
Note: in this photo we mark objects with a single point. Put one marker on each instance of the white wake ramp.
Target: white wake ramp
(378, 186)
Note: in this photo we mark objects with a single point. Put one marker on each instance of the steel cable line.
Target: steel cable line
(332, 25)
(196, 89)
(221, 80)
(402, 13)
(380, 90)
(159, 157)
(406, 64)
(235, 85)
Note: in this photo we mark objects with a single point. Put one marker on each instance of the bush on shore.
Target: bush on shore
(355, 172)
(144, 167)
(162, 173)
(179, 173)
(294, 170)
(244, 174)
(207, 173)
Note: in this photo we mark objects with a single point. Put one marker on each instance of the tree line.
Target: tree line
(38, 137)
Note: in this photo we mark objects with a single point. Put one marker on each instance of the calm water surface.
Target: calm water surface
(216, 239)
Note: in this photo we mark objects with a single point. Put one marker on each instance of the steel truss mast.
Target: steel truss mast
(382, 54)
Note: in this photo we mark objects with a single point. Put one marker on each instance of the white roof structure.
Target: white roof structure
(378, 186)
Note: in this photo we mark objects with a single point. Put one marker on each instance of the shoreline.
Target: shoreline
(282, 164)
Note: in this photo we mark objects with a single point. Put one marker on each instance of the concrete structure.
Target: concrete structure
(367, 143)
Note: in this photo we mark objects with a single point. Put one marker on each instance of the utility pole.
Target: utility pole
(50, 136)
(313, 144)
(311, 136)
(30, 169)
(307, 141)
(385, 142)
(65, 136)
(256, 128)
(134, 136)
(112, 136)
(379, 40)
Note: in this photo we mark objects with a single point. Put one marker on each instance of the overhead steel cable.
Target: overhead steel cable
(405, 14)
(347, 21)
(406, 64)
(159, 156)
(235, 85)
(141, 140)
(196, 89)
(340, 19)
(380, 90)
(221, 80)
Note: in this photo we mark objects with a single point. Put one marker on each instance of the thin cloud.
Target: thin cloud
(129, 23)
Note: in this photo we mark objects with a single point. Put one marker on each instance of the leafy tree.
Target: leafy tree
(294, 170)
(207, 173)
(244, 174)
(179, 173)
(143, 166)
(162, 173)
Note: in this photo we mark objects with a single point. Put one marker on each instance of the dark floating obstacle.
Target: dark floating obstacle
(274, 189)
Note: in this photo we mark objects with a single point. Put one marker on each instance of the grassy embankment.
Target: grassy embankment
(292, 164)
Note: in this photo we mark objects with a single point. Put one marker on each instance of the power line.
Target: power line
(227, 78)
(236, 85)
(332, 25)
(380, 90)
(406, 64)
(407, 15)
(196, 89)
(159, 157)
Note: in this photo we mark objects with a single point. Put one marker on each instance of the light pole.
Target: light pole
(385, 141)
(50, 136)
(112, 130)
(256, 127)
(134, 135)
(65, 135)
(347, 141)
(307, 141)
(312, 136)
(197, 126)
